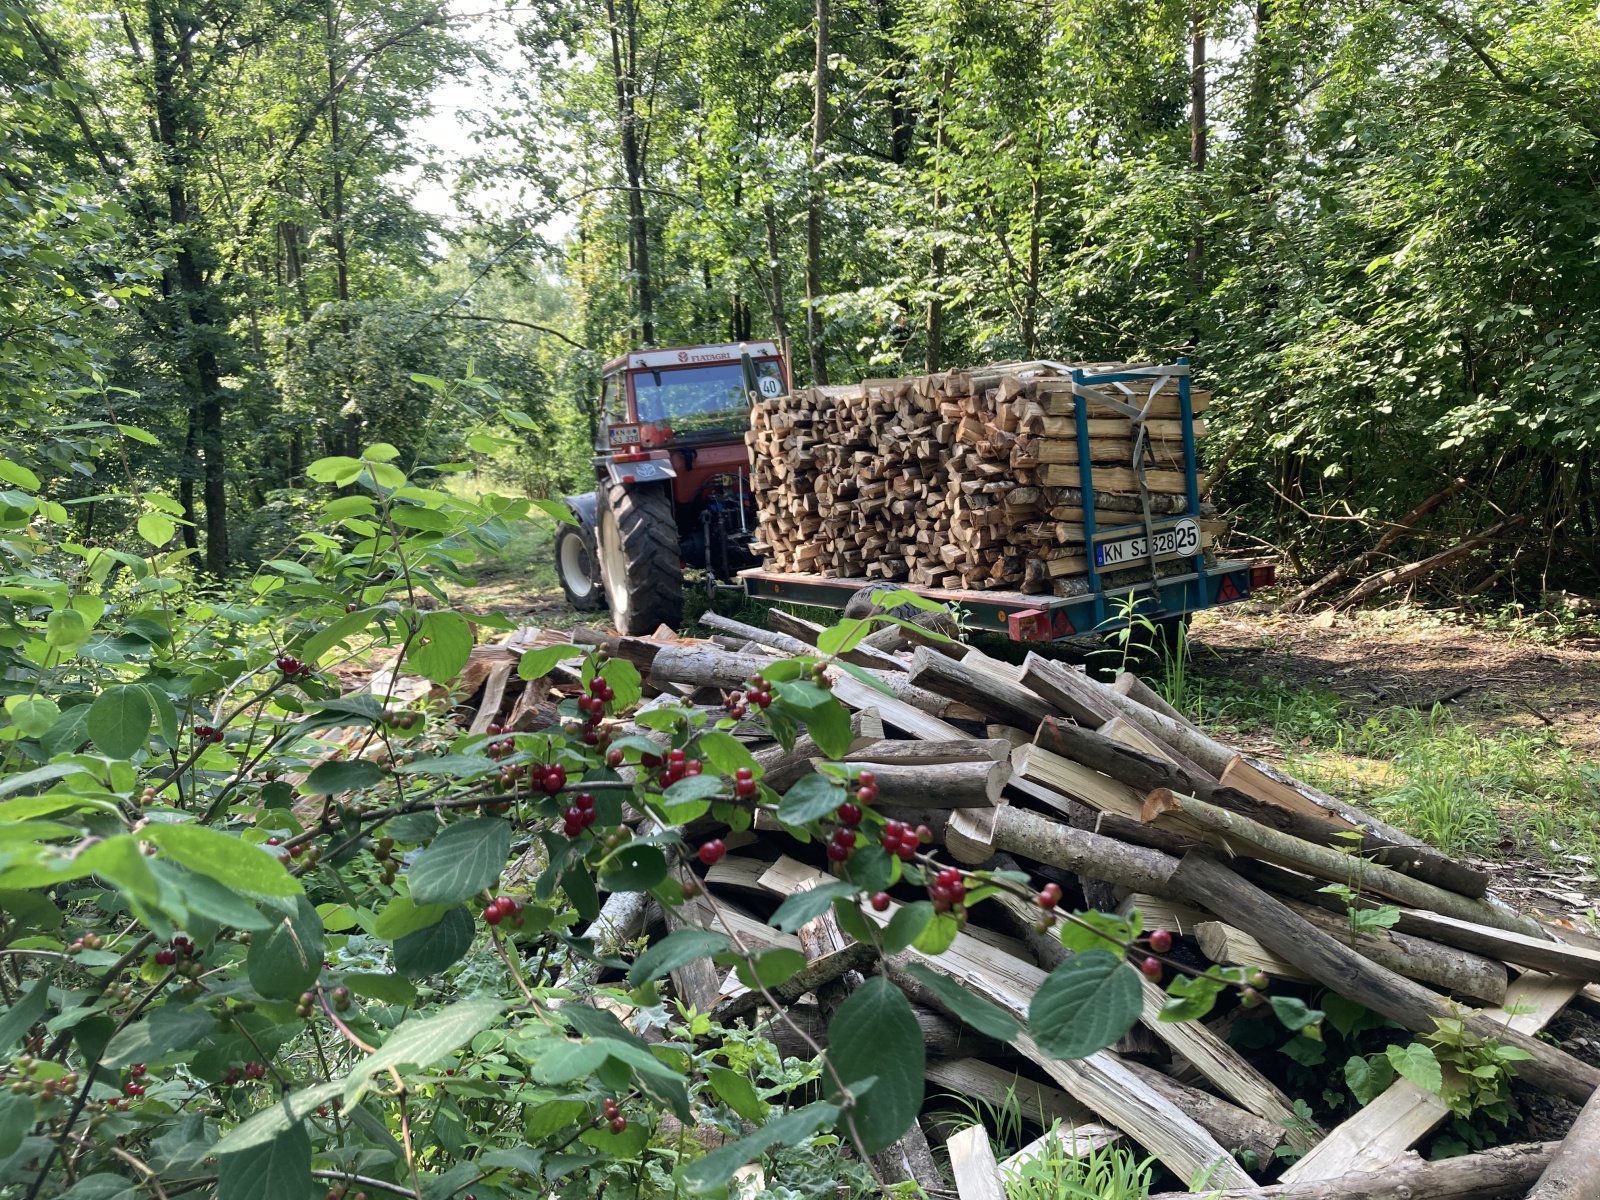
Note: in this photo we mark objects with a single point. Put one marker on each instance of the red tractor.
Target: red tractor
(673, 479)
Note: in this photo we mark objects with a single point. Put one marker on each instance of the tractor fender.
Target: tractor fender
(583, 507)
(657, 468)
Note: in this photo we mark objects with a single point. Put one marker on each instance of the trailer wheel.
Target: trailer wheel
(639, 558)
(577, 566)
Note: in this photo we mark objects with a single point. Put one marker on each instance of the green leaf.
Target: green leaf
(66, 630)
(804, 907)
(20, 1017)
(726, 753)
(906, 926)
(1108, 931)
(738, 1093)
(423, 1041)
(16, 1119)
(556, 509)
(229, 860)
(845, 636)
(624, 679)
(329, 636)
(977, 1012)
(690, 798)
(462, 861)
(634, 867)
(286, 959)
(156, 528)
(436, 948)
(811, 798)
(1297, 1015)
(829, 727)
(441, 647)
(273, 1170)
(536, 664)
(18, 475)
(34, 716)
(938, 935)
(167, 1029)
(331, 778)
(1085, 1005)
(1191, 997)
(386, 989)
(120, 720)
(403, 915)
(677, 949)
(1417, 1063)
(1367, 1077)
(337, 469)
(711, 1171)
(875, 1034)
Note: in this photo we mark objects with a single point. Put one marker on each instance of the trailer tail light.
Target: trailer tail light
(631, 456)
(1263, 575)
(1029, 625)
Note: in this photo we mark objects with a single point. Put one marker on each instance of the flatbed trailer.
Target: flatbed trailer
(1109, 601)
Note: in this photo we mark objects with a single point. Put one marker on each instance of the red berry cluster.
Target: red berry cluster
(133, 1087)
(903, 840)
(745, 786)
(757, 694)
(593, 708)
(678, 766)
(307, 1004)
(251, 1070)
(1049, 896)
(948, 889)
(613, 1115)
(580, 816)
(206, 733)
(89, 941)
(503, 908)
(292, 666)
(27, 1067)
(711, 852)
(180, 949)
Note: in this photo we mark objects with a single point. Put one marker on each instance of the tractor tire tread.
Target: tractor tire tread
(649, 531)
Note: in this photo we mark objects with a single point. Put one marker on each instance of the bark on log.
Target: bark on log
(1574, 1171)
(781, 768)
(911, 753)
(1083, 853)
(1233, 1127)
(1201, 879)
(1134, 688)
(1008, 703)
(1066, 689)
(857, 956)
(941, 785)
(1186, 815)
(1488, 1175)
(1148, 772)
(787, 643)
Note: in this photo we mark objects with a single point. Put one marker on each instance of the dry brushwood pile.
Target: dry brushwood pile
(966, 479)
(1179, 853)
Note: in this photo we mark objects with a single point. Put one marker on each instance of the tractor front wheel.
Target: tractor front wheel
(639, 558)
(575, 564)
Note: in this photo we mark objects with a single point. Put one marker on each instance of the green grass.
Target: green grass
(1109, 1173)
(1456, 788)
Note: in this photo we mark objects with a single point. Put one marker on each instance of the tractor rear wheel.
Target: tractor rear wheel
(575, 564)
(639, 558)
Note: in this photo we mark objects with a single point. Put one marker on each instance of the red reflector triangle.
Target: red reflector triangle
(1228, 590)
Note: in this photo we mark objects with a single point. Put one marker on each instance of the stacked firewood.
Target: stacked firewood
(967, 479)
(1113, 795)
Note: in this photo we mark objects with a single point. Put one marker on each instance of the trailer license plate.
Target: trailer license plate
(623, 435)
(1182, 538)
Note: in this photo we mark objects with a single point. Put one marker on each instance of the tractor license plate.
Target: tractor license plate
(1182, 538)
(623, 435)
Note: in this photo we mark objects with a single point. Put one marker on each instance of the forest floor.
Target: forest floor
(1482, 740)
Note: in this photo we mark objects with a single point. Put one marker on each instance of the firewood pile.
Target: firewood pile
(1109, 793)
(967, 479)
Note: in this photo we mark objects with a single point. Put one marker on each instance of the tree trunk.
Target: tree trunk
(1197, 137)
(819, 137)
(933, 351)
(175, 118)
(624, 67)
(1574, 1172)
(341, 249)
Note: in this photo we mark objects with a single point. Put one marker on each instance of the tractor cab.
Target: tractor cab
(673, 477)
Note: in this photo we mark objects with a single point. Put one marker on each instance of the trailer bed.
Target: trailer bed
(1030, 618)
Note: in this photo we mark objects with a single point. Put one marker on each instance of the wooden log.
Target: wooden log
(709, 666)
(1454, 971)
(1134, 688)
(788, 643)
(494, 692)
(907, 718)
(1208, 822)
(909, 1160)
(818, 973)
(1029, 835)
(1558, 958)
(997, 698)
(974, 1079)
(782, 768)
(1124, 732)
(913, 753)
(973, 1166)
(1066, 690)
(943, 1037)
(1231, 1125)
(1073, 1141)
(1573, 1172)
(943, 784)
(1280, 929)
(1497, 1174)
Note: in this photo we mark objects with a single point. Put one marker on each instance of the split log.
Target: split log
(1574, 1171)
(1066, 690)
(1494, 1174)
(1208, 822)
(974, 1079)
(1072, 1140)
(973, 1165)
(1336, 966)
(1231, 1125)
(907, 718)
(1134, 688)
(958, 750)
(997, 698)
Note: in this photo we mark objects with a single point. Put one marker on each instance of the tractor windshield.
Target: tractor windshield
(702, 399)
